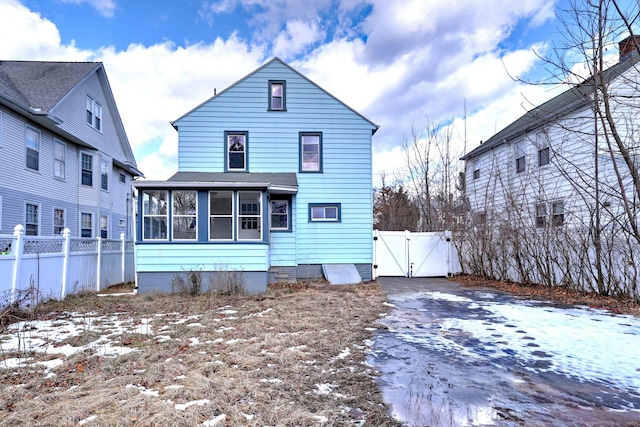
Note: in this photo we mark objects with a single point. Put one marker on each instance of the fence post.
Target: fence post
(124, 246)
(17, 247)
(407, 252)
(98, 267)
(66, 253)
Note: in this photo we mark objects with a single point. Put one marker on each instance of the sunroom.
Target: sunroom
(212, 222)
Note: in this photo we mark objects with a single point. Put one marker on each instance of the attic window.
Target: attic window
(94, 114)
(277, 95)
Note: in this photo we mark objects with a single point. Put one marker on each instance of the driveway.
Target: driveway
(456, 356)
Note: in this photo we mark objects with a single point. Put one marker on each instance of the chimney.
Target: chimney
(627, 47)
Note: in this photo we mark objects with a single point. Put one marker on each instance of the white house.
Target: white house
(64, 153)
(553, 191)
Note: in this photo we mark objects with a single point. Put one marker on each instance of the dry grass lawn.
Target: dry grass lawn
(290, 357)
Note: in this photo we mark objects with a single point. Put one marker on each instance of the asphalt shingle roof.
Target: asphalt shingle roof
(41, 84)
(550, 111)
(284, 179)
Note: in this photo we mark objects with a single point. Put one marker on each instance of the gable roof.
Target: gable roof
(266, 64)
(573, 99)
(35, 88)
(38, 85)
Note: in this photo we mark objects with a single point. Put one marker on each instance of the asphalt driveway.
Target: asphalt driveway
(457, 356)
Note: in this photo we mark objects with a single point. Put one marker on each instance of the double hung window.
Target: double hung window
(236, 151)
(521, 155)
(557, 213)
(94, 114)
(277, 100)
(541, 215)
(542, 142)
(31, 220)
(86, 224)
(59, 150)
(87, 169)
(58, 222)
(104, 226)
(311, 152)
(104, 175)
(33, 148)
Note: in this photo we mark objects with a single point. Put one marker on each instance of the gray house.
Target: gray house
(64, 152)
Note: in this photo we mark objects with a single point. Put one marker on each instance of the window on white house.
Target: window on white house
(154, 215)
(33, 148)
(311, 152)
(122, 178)
(236, 151)
(521, 155)
(184, 215)
(59, 154)
(104, 175)
(324, 212)
(58, 222)
(541, 215)
(221, 215)
(87, 169)
(542, 142)
(104, 226)
(31, 220)
(122, 224)
(86, 224)
(249, 215)
(279, 214)
(557, 213)
(94, 114)
(476, 173)
(277, 100)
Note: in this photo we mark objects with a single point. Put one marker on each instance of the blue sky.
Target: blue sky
(401, 63)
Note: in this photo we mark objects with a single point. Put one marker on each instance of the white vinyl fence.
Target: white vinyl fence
(54, 267)
(413, 254)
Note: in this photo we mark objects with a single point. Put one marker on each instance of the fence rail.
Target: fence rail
(54, 267)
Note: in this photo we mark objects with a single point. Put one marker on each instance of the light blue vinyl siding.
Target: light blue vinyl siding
(168, 257)
(346, 176)
(283, 243)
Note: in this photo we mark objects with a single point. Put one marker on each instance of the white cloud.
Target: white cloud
(105, 8)
(296, 37)
(399, 68)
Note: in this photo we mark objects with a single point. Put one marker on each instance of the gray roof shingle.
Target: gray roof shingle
(41, 84)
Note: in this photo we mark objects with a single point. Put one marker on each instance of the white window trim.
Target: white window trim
(64, 159)
(81, 225)
(105, 164)
(26, 147)
(288, 213)
(93, 167)
(232, 216)
(38, 217)
(174, 215)
(240, 216)
(64, 220)
(122, 224)
(165, 216)
(96, 113)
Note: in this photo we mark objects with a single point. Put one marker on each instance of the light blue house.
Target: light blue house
(274, 181)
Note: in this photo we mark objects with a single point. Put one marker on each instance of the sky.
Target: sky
(404, 64)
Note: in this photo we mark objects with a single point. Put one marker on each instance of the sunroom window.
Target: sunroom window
(155, 215)
(184, 220)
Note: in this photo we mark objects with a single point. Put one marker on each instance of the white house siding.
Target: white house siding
(273, 146)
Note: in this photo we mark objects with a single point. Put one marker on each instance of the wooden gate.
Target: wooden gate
(410, 254)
